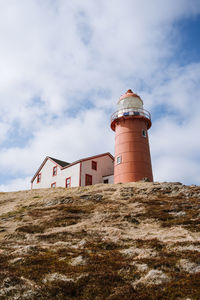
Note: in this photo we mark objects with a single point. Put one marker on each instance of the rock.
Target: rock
(61, 200)
(188, 266)
(141, 267)
(138, 252)
(177, 214)
(153, 277)
(82, 243)
(15, 260)
(56, 277)
(78, 261)
(27, 249)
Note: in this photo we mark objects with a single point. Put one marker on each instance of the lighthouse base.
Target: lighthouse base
(130, 177)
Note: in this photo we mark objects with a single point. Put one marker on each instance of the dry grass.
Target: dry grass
(101, 242)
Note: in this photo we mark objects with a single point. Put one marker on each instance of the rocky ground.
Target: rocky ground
(124, 241)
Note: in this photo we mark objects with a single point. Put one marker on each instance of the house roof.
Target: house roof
(64, 164)
(61, 163)
(90, 157)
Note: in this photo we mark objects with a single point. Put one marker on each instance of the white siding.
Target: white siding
(73, 172)
(109, 178)
(105, 167)
(47, 177)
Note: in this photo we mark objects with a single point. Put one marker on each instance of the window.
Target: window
(94, 165)
(39, 177)
(88, 179)
(55, 171)
(119, 160)
(53, 185)
(105, 181)
(68, 182)
(144, 133)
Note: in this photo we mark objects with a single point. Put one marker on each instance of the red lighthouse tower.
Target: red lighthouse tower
(132, 155)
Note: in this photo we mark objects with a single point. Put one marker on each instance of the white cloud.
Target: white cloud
(175, 151)
(174, 135)
(67, 139)
(176, 168)
(4, 127)
(43, 53)
(16, 185)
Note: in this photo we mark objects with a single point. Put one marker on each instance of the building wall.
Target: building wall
(105, 167)
(73, 172)
(47, 177)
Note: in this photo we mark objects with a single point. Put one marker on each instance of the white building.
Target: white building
(86, 171)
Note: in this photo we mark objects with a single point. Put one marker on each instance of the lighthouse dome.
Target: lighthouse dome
(129, 100)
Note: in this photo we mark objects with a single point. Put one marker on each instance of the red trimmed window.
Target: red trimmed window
(55, 171)
(88, 179)
(39, 177)
(94, 165)
(53, 185)
(68, 182)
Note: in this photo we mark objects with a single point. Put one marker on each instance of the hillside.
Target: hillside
(124, 241)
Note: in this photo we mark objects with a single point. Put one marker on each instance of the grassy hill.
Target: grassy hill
(124, 241)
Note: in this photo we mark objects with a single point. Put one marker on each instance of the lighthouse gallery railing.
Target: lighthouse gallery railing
(133, 111)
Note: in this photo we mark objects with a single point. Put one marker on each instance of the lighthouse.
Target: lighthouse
(132, 154)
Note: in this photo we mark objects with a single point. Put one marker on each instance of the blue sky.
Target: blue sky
(189, 30)
(64, 65)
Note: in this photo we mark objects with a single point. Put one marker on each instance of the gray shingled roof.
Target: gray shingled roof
(60, 162)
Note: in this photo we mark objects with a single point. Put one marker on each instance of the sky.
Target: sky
(64, 64)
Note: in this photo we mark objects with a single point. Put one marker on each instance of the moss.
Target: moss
(193, 256)
(102, 245)
(61, 221)
(36, 266)
(31, 228)
(187, 243)
(183, 286)
(63, 236)
(4, 263)
(59, 289)
(150, 243)
(164, 262)
(60, 215)
(166, 208)
(107, 274)
(112, 286)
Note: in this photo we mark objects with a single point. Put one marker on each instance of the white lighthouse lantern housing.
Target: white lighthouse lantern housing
(130, 105)
(131, 101)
